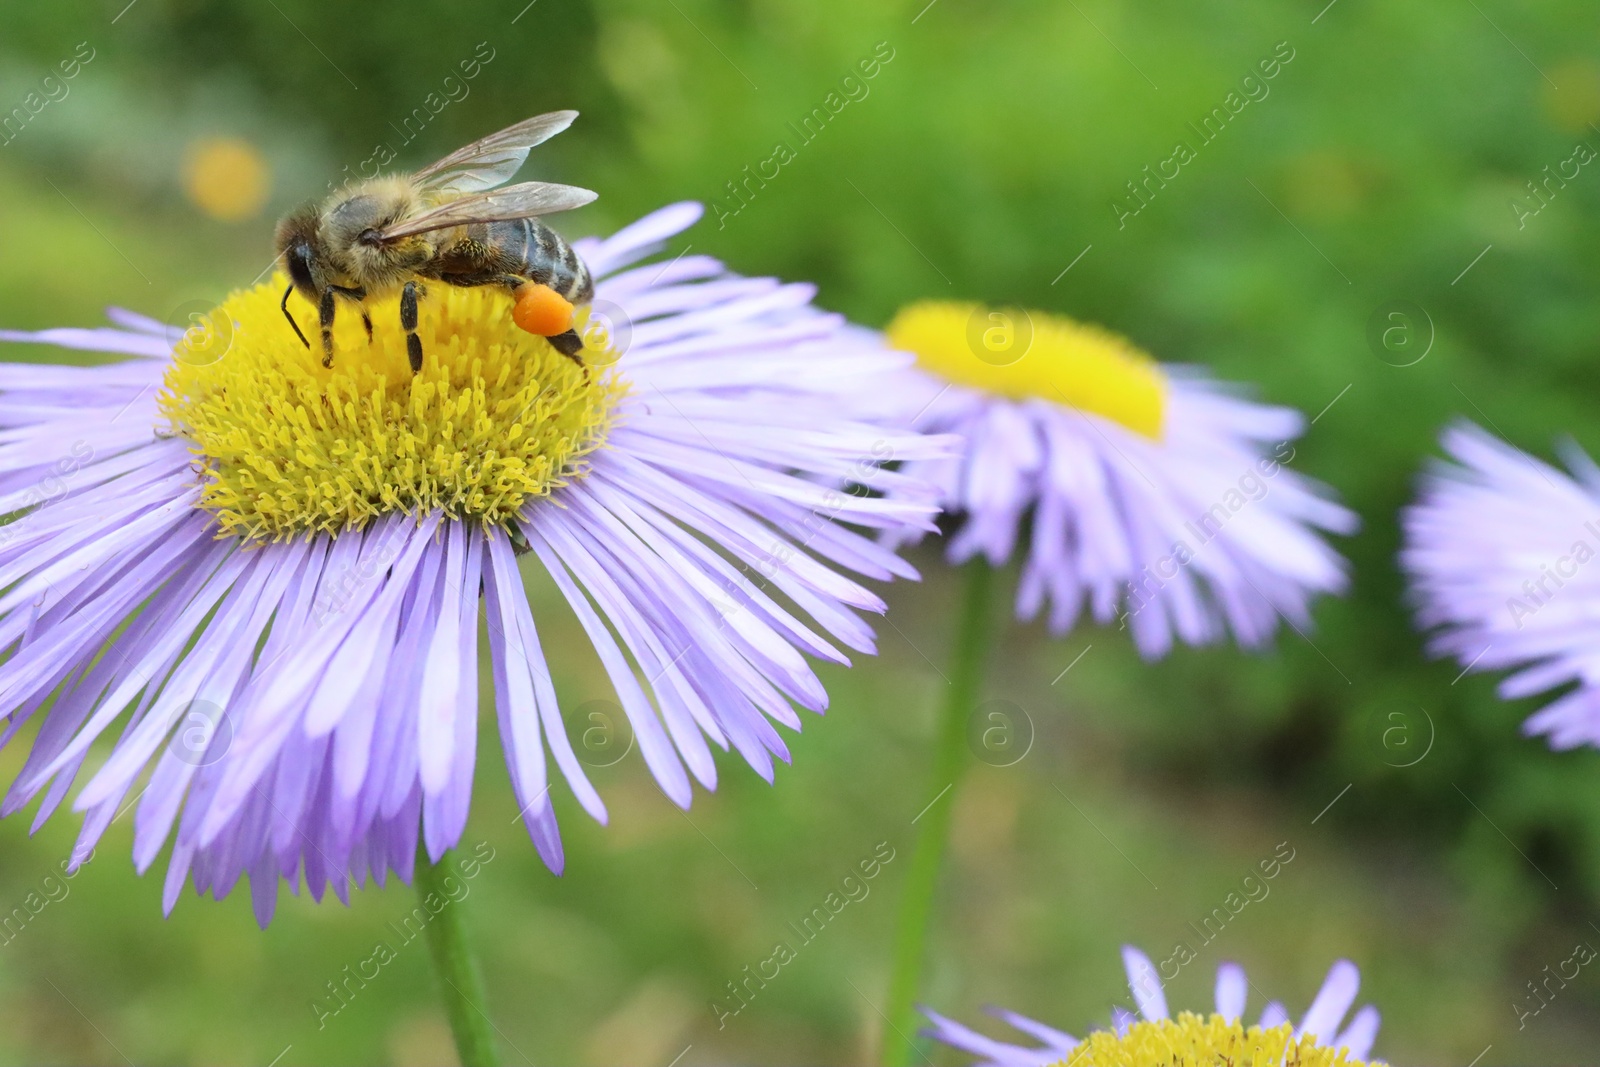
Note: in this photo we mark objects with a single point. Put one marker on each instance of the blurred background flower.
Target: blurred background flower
(1498, 547)
(981, 163)
(226, 178)
(1323, 1023)
(1132, 492)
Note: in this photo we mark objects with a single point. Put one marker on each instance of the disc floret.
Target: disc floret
(1193, 1040)
(1034, 355)
(288, 447)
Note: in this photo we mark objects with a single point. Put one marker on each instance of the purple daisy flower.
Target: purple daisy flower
(1153, 493)
(1499, 548)
(1151, 1035)
(267, 572)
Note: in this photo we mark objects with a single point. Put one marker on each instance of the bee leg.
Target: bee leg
(408, 322)
(569, 344)
(366, 320)
(325, 312)
(519, 540)
(290, 316)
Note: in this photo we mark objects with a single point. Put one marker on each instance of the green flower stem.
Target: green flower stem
(460, 982)
(972, 640)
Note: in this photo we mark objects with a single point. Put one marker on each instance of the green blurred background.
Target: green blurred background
(1387, 155)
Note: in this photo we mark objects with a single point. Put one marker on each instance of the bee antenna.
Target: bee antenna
(288, 315)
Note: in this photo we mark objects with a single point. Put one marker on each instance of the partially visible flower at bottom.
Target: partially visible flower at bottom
(1499, 549)
(269, 569)
(1128, 487)
(1153, 1038)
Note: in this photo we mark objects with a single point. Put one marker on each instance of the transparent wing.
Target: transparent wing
(492, 161)
(513, 202)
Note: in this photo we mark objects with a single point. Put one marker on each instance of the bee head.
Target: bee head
(296, 241)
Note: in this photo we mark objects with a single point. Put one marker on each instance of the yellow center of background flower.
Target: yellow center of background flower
(227, 178)
(1022, 354)
(1192, 1041)
(495, 417)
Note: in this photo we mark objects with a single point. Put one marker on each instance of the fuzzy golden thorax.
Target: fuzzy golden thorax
(335, 243)
(346, 235)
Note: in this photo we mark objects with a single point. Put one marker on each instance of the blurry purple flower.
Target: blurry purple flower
(1131, 1037)
(1500, 549)
(1136, 489)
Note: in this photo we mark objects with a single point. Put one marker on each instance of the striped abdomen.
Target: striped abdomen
(530, 249)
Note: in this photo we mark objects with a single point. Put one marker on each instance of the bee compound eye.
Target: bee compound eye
(299, 263)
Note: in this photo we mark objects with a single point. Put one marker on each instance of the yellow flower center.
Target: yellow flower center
(1021, 354)
(289, 447)
(1192, 1041)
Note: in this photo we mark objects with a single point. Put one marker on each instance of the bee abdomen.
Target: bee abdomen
(529, 248)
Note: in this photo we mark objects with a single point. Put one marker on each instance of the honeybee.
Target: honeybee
(447, 222)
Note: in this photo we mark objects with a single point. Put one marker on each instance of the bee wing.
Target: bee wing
(492, 161)
(513, 202)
